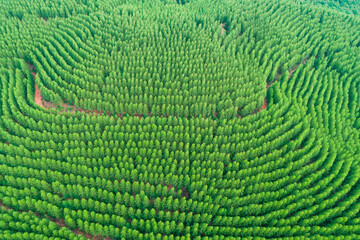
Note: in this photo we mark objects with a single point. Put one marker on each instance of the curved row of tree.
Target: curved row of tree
(178, 148)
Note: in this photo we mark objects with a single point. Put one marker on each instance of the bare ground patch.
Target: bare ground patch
(292, 70)
(184, 192)
(264, 105)
(46, 104)
(37, 95)
(223, 30)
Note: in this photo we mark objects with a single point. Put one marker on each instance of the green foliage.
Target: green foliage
(346, 6)
(178, 120)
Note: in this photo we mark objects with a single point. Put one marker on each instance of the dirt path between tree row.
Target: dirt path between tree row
(70, 108)
(37, 94)
(292, 70)
(264, 105)
(223, 30)
(38, 98)
(61, 223)
(46, 104)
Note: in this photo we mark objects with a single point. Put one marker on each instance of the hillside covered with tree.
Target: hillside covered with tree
(351, 7)
(189, 119)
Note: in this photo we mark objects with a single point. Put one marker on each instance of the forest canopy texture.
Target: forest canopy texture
(179, 120)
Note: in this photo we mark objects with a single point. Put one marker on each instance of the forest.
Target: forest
(179, 119)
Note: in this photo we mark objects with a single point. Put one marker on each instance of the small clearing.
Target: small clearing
(37, 94)
(46, 104)
(264, 105)
(278, 74)
(223, 30)
(185, 193)
(38, 98)
(216, 114)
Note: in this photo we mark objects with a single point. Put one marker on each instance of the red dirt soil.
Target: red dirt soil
(3, 205)
(38, 98)
(216, 114)
(184, 192)
(32, 68)
(71, 108)
(222, 28)
(264, 105)
(268, 86)
(278, 74)
(37, 95)
(292, 70)
(77, 231)
(169, 186)
(138, 115)
(60, 222)
(45, 104)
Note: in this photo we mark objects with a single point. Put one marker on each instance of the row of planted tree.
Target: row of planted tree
(198, 160)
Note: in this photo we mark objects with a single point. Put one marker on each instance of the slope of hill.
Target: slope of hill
(178, 120)
(351, 7)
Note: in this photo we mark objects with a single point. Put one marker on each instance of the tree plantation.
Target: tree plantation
(179, 120)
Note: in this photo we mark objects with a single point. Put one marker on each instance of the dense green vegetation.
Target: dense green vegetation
(178, 120)
(346, 6)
